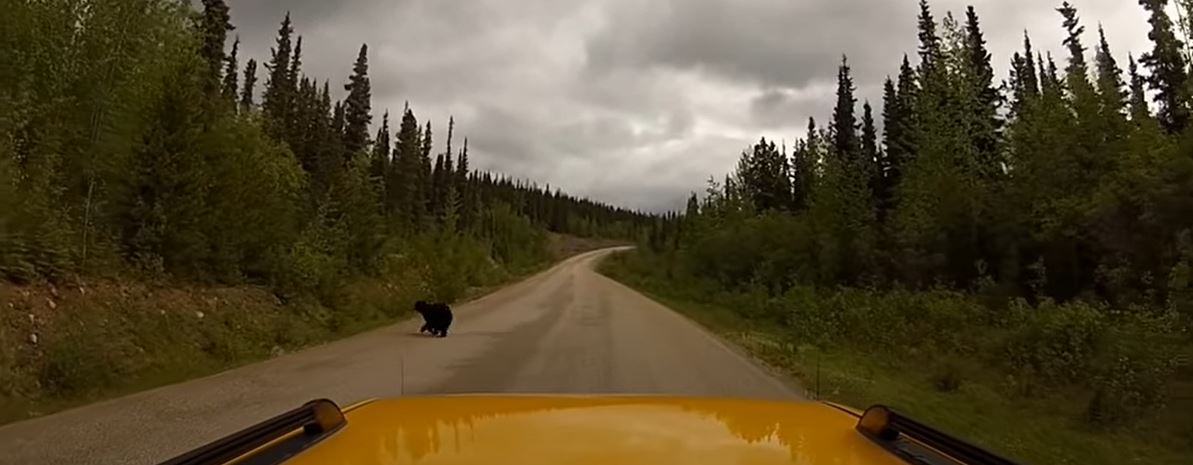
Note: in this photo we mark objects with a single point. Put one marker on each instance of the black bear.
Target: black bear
(436, 317)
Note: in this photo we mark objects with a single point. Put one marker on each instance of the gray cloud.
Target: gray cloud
(781, 107)
(632, 102)
(765, 42)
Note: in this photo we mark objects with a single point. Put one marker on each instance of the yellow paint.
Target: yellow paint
(541, 430)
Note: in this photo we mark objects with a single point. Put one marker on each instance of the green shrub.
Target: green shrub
(448, 266)
(810, 319)
(228, 336)
(1057, 342)
(883, 321)
(1132, 372)
(85, 356)
(315, 265)
(302, 324)
(513, 239)
(948, 375)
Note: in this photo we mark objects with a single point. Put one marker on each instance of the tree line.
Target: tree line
(1063, 181)
(133, 139)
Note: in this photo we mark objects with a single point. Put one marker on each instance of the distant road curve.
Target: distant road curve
(565, 330)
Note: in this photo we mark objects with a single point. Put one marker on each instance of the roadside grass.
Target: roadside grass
(115, 352)
(1033, 431)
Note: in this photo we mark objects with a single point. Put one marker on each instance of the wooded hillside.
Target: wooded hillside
(133, 139)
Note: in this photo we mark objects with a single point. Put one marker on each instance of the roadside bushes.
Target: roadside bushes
(1056, 343)
(1122, 360)
(1132, 372)
(513, 239)
(118, 336)
(73, 365)
(771, 251)
(896, 320)
(1112, 366)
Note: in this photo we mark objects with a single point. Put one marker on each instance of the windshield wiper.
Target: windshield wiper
(919, 443)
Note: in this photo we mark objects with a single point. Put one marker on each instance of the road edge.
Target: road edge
(784, 377)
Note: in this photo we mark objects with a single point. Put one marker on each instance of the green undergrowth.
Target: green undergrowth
(983, 382)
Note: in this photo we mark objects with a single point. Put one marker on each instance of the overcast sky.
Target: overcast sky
(635, 102)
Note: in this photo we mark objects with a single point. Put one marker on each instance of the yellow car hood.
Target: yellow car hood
(532, 430)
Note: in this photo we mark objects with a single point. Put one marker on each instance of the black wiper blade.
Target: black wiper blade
(312, 422)
(919, 443)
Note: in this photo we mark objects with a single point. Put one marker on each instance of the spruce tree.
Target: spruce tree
(890, 112)
(803, 171)
(337, 124)
(1098, 127)
(1110, 78)
(444, 170)
(295, 70)
(1138, 94)
(1016, 85)
(357, 105)
(1024, 83)
(1074, 29)
(278, 97)
(293, 131)
(404, 178)
(845, 140)
(871, 155)
(231, 86)
(1169, 76)
(325, 141)
(451, 133)
(214, 27)
(935, 231)
(933, 72)
(467, 201)
(901, 143)
(815, 143)
(160, 213)
(423, 195)
(931, 51)
(1031, 80)
(381, 152)
(449, 171)
(886, 169)
(765, 177)
(437, 185)
(250, 84)
(451, 196)
(1084, 99)
(1112, 98)
(693, 208)
(1050, 80)
(953, 47)
(462, 163)
(985, 124)
(869, 140)
(306, 98)
(427, 143)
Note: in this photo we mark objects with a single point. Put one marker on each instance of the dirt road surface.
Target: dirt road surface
(565, 330)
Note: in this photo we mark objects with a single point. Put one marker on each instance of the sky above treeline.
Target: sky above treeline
(636, 102)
